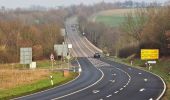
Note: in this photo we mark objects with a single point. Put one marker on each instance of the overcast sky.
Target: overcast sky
(54, 3)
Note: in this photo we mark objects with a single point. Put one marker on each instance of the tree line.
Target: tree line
(144, 28)
(23, 28)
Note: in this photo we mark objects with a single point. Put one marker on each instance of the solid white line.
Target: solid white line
(165, 87)
(50, 88)
(82, 88)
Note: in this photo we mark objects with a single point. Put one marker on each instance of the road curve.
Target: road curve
(101, 79)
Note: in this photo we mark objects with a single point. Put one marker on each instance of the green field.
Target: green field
(112, 21)
(111, 18)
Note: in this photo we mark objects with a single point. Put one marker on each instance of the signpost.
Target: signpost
(25, 55)
(52, 60)
(151, 55)
(61, 49)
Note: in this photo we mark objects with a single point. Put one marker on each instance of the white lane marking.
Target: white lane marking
(126, 74)
(164, 84)
(121, 89)
(109, 96)
(116, 92)
(98, 63)
(112, 81)
(139, 73)
(95, 91)
(100, 99)
(114, 74)
(145, 79)
(82, 88)
(51, 88)
(141, 89)
(151, 99)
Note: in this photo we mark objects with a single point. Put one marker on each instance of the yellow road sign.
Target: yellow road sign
(149, 54)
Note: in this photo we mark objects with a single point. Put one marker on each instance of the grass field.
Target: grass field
(112, 18)
(162, 68)
(112, 21)
(16, 80)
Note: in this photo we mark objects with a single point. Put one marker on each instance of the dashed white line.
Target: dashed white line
(145, 79)
(95, 91)
(139, 73)
(151, 99)
(112, 81)
(114, 74)
(121, 89)
(100, 99)
(82, 88)
(109, 96)
(141, 89)
(116, 92)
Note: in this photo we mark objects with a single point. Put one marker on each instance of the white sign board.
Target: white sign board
(61, 49)
(33, 65)
(70, 46)
(151, 62)
(63, 32)
(25, 55)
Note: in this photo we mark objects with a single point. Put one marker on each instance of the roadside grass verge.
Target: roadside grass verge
(16, 80)
(36, 86)
(162, 68)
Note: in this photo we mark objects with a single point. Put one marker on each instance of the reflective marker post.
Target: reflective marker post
(51, 78)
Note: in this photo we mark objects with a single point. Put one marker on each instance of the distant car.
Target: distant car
(96, 55)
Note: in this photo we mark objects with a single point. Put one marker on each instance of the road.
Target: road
(101, 79)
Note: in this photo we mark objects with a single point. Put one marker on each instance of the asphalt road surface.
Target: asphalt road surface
(101, 79)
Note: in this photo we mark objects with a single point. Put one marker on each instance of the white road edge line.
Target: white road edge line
(83, 88)
(50, 88)
(165, 87)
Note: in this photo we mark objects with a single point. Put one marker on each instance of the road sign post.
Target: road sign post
(150, 54)
(52, 61)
